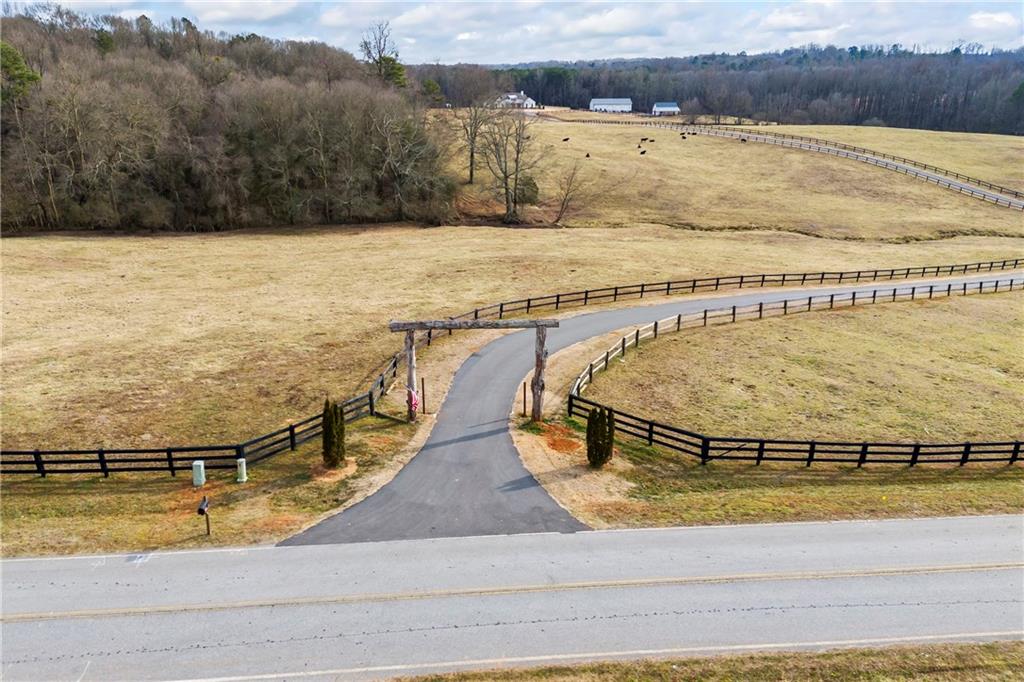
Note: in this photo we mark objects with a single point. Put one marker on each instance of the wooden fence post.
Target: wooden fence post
(410, 362)
(540, 359)
(966, 455)
(810, 453)
(760, 453)
(40, 467)
(705, 317)
(650, 433)
(760, 310)
(655, 329)
(915, 454)
(1015, 455)
(705, 449)
(239, 451)
(734, 313)
(863, 455)
(291, 427)
(170, 462)
(679, 321)
(103, 463)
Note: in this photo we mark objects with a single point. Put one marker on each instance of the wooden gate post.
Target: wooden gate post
(410, 379)
(537, 385)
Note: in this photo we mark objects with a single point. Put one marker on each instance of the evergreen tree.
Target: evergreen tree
(600, 436)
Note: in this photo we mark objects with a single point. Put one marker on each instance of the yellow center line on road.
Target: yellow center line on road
(506, 590)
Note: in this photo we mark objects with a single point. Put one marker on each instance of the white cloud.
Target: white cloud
(993, 20)
(509, 32)
(239, 10)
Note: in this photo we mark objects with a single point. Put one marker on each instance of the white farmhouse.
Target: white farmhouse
(665, 109)
(623, 105)
(515, 100)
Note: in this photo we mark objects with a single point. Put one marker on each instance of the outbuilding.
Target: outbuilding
(665, 109)
(619, 105)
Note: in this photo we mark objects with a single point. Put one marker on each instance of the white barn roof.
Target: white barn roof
(611, 101)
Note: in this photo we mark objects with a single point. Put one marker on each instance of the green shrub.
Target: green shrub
(600, 436)
(527, 192)
(333, 422)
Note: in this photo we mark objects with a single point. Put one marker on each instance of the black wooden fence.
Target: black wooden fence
(760, 130)
(707, 448)
(887, 161)
(173, 459)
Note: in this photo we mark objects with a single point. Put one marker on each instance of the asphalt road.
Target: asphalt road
(468, 478)
(371, 610)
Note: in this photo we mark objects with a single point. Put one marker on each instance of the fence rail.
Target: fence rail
(49, 461)
(887, 161)
(707, 448)
(1009, 191)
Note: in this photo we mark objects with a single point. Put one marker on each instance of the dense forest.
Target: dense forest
(964, 89)
(119, 123)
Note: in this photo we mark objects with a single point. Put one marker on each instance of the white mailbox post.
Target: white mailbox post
(198, 473)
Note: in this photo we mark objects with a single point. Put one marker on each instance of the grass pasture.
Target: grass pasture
(153, 340)
(996, 158)
(947, 370)
(708, 183)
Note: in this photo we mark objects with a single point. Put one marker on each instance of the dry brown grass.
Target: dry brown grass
(947, 370)
(173, 339)
(140, 512)
(996, 158)
(713, 183)
(991, 661)
(205, 338)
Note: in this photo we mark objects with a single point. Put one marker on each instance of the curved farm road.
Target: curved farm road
(468, 479)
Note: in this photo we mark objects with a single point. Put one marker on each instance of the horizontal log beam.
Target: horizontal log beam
(397, 326)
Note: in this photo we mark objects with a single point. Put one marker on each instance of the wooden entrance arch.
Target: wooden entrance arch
(410, 329)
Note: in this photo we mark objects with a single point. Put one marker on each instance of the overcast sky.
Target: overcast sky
(508, 32)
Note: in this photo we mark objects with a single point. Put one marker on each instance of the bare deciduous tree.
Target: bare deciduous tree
(571, 189)
(378, 48)
(509, 154)
(471, 121)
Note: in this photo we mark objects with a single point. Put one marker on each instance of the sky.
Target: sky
(527, 31)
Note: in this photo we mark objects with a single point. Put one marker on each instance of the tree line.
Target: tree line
(117, 123)
(964, 89)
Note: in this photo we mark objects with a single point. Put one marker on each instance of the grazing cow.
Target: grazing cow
(683, 137)
(643, 152)
(639, 146)
(651, 140)
(565, 139)
(743, 139)
(643, 139)
(588, 155)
